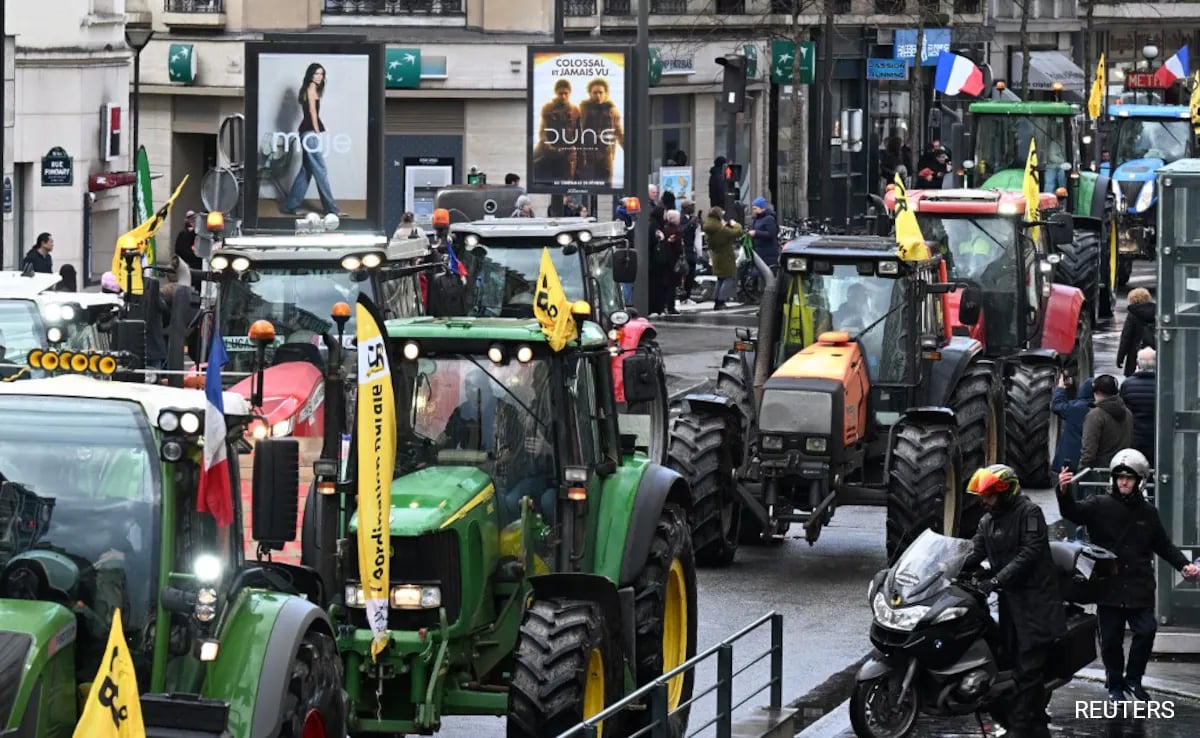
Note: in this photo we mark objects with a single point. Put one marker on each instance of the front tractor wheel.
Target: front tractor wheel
(315, 705)
(567, 668)
(701, 449)
(1027, 421)
(1080, 266)
(665, 609)
(923, 491)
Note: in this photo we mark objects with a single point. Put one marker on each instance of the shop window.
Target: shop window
(671, 131)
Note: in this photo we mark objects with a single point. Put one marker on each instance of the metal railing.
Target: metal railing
(731, 7)
(669, 7)
(194, 6)
(396, 7)
(660, 716)
(618, 7)
(579, 8)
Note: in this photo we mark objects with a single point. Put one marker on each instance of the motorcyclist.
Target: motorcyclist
(1124, 522)
(1012, 537)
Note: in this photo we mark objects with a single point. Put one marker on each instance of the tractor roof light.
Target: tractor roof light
(632, 205)
(262, 330)
(471, 240)
(441, 218)
(215, 221)
(340, 310)
(564, 239)
(524, 354)
(412, 350)
(372, 260)
(1008, 208)
(240, 264)
(168, 421)
(889, 267)
(583, 236)
(497, 354)
(796, 265)
(218, 263)
(351, 262)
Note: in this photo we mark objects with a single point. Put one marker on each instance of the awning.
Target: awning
(1046, 68)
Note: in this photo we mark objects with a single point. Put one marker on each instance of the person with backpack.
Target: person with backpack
(1138, 331)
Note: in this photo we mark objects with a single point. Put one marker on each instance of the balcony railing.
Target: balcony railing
(194, 6)
(967, 7)
(395, 7)
(889, 7)
(731, 7)
(579, 8)
(618, 7)
(669, 7)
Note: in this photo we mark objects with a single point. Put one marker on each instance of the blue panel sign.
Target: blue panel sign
(887, 69)
(936, 41)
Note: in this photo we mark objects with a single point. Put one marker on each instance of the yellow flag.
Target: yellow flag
(113, 708)
(1096, 98)
(910, 242)
(136, 240)
(376, 463)
(1195, 103)
(1032, 188)
(551, 306)
(1112, 255)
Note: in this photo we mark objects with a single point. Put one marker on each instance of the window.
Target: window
(670, 130)
(582, 389)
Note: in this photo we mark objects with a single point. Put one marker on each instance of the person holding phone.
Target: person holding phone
(1072, 406)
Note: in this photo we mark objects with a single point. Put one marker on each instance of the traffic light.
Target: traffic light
(733, 89)
(733, 181)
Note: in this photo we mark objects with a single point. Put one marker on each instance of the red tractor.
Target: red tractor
(1032, 327)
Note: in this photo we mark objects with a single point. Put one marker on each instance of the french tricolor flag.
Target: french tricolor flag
(958, 75)
(1177, 67)
(215, 496)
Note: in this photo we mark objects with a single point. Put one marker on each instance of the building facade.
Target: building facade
(70, 94)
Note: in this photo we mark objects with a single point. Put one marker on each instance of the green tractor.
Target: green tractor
(541, 568)
(99, 486)
(1001, 135)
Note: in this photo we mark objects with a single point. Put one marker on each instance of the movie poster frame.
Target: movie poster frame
(533, 106)
(376, 56)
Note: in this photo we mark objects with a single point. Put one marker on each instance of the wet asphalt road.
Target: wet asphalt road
(821, 590)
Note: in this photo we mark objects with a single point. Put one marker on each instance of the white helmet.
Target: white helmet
(1130, 461)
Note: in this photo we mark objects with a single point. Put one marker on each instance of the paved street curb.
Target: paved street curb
(687, 389)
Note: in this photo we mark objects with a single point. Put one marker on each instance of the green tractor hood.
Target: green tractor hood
(31, 633)
(435, 497)
(1006, 180)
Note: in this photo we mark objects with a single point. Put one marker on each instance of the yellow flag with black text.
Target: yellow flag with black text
(376, 430)
(1195, 102)
(1031, 188)
(113, 708)
(137, 240)
(1096, 97)
(910, 242)
(551, 306)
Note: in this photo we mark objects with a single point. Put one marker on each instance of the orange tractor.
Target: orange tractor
(1030, 326)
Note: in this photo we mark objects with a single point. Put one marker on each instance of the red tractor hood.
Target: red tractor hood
(286, 387)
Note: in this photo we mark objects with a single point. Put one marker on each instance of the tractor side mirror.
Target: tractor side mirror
(641, 378)
(276, 479)
(1061, 228)
(969, 306)
(624, 266)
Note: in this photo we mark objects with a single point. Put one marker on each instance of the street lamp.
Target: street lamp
(137, 36)
(1150, 53)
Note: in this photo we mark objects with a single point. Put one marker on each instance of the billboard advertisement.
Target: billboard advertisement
(314, 134)
(578, 100)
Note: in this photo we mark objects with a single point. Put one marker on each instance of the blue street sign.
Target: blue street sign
(887, 69)
(936, 41)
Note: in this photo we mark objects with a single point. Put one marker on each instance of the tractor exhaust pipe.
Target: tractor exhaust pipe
(768, 319)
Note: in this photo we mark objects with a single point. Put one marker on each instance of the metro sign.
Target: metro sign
(1143, 81)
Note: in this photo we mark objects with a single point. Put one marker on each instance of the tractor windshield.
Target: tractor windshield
(83, 479)
(21, 330)
(502, 275)
(867, 307)
(983, 251)
(296, 298)
(1141, 138)
(468, 410)
(1003, 143)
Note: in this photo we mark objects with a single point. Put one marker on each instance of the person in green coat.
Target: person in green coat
(723, 239)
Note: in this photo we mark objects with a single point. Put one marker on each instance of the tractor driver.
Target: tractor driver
(472, 424)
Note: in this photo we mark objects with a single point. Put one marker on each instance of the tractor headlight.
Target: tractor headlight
(350, 263)
(370, 261)
(168, 421)
(564, 239)
(772, 443)
(54, 334)
(1008, 208)
(53, 313)
(172, 450)
(584, 236)
(354, 595)
(899, 618)
(816, 445)
(240, 264)
(206, 605)
(207, 568)
(1145, 197)
(889, 267)
(189, 423)
(797, 265)
(415, 597)
(218, 263)
(284, 427)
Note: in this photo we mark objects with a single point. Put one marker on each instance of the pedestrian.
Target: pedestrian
(691, 250)
(723, 236)
(67, 279)
(891, 162)
(765, 231)
(512, 179)
(1014, 539)
(1124, 522)
(718, 187)
(1072, 410)
(185, 242)
(1108, 426)
(524, 208)
(1139, 393)
(407, 228)
(1138, 330)
(38, 258)
(664, 275)
(936, 159)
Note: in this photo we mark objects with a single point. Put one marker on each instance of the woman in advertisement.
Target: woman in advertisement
(311, 146)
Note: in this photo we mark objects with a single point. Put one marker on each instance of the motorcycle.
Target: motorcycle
(938, 647)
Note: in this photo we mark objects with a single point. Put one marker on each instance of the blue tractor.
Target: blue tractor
(1143, 138)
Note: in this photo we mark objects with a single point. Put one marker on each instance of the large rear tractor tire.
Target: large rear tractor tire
(923, 489)
(567, 668)
(702, 450)
(980, 433)
(1124, 272)
(665, 610)
(1080, 266)
(1027, 421)
(734, 381)
(315, 703)
(656, 409)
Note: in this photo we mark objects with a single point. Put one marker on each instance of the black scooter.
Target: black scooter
(938, 649)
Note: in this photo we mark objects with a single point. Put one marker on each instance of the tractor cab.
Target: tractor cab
(33, 316)
(291, 281)
(1002, 134)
